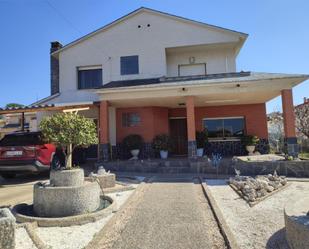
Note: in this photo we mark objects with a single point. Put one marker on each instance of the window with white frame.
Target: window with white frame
(224, 128)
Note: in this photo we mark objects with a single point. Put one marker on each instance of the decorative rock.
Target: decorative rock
(254, 188)
(270, 189)
(7, 229)
(62, 178)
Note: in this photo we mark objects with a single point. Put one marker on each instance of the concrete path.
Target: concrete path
(19, 189)
(173, 213)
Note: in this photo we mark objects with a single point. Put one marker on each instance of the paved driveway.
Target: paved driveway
(19, 189)
(173, 213)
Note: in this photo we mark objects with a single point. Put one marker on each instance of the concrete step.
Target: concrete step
(174, 170)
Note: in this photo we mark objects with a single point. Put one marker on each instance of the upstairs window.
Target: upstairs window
(225, 127)
(89, 77)
(130, 119)
(129, 65)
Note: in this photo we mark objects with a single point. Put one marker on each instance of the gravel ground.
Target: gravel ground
(261, 226)
(76, 237)
(173, 213)
(23, 241)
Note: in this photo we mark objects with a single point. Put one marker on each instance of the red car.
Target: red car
(25, 152)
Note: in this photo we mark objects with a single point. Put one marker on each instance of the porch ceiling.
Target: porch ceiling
(234, 92)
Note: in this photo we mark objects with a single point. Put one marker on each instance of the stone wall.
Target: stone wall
(286, 168)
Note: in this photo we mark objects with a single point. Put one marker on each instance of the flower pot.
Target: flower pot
(200, 152)
(250, 149)
(163, 154)
(134, 154)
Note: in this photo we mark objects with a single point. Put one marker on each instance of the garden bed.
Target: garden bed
(254, 190)
(260, 226)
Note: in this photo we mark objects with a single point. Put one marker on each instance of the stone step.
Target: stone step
(175, 163)
(174, 170)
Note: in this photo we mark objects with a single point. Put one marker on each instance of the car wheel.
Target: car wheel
(8, 175)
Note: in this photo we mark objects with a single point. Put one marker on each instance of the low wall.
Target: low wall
(203, 165)
(286, 168)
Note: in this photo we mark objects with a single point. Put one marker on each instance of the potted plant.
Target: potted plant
(162, 143)
(201, 139)
(133, 143)
(250, 141)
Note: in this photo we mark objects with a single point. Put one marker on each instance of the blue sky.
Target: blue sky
(278, 36)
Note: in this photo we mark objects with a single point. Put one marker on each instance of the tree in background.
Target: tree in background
(68, 131)
(302, 119)
(14, 105)
(276, 131)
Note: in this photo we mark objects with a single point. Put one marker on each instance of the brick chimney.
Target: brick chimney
(54, 68)
(306, 100)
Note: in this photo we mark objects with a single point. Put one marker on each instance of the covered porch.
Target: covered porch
(183, 105)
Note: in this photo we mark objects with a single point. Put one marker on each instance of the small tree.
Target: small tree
(69, 130)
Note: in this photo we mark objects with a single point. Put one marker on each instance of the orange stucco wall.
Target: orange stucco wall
(154, 121)
(255, 116)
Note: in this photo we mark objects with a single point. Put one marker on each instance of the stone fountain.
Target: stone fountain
(67, 194)
(68, 199)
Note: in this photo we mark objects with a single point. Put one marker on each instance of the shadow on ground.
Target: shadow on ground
(277, 241)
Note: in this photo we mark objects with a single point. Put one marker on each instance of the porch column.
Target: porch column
(289, 122)
(104, 131)
(191, 126)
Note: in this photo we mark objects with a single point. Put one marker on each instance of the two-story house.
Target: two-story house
(150, 73)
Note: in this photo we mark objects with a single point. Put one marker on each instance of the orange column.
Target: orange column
(104, 123)
(191, 126)
(288, 113)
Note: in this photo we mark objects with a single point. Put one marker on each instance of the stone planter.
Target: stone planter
(163, 154)
(134, 154)
(62, 178)
(106, 180)
(200, 152)
(7, 229)
(250, 149)
(297, 224)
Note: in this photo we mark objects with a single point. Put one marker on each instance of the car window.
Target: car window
(21, 139)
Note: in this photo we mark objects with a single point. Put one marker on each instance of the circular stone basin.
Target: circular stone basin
(297, 224)
(50, 201)
(25, 213)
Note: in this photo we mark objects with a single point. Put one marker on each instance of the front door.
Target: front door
(178, 133)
